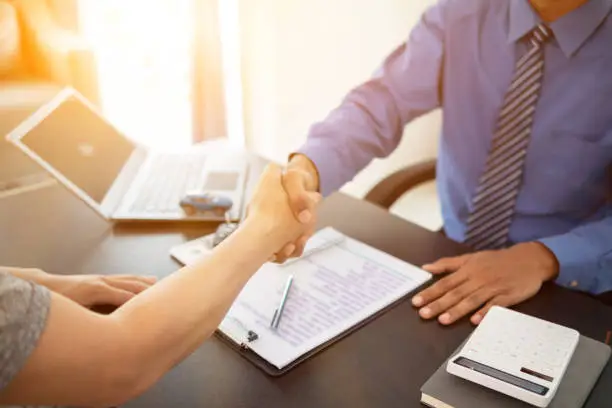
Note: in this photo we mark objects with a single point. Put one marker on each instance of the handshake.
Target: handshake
(284, 206)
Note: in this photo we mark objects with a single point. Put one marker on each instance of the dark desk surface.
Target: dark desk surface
(382, 365)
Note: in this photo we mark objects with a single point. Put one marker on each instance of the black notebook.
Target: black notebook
(444, 390)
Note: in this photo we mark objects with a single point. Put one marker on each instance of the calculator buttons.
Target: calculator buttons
(525, 349)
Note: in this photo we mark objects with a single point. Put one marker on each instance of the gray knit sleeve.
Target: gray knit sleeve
(24, 307)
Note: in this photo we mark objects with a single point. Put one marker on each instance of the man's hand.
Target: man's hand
(301, 182)
(490, 278)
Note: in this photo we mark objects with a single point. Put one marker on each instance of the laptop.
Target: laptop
(118, 178)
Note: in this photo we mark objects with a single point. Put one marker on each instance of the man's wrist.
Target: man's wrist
(302, 162)
(545, 260)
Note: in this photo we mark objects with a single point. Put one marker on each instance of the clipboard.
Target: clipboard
(274, 371)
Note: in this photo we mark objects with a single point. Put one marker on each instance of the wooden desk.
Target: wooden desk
(382, 365)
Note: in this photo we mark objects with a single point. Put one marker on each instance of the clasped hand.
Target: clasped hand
(271, 209)
(301, 187)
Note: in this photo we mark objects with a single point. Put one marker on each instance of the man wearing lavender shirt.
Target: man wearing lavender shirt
(461, 57)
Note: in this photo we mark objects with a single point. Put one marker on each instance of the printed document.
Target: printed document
(333, 290)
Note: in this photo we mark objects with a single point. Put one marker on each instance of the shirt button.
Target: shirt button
(574, 284)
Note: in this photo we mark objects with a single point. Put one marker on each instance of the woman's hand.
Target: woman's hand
(91, 290)
(271, 212)
(87, 290)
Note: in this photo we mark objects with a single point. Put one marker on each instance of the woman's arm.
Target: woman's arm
(87, 359)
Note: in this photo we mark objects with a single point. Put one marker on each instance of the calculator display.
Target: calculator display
(502, 376)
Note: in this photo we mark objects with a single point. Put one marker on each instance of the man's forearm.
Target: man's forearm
(370, 121)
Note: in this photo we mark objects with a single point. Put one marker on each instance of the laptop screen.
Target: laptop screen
(82, 146)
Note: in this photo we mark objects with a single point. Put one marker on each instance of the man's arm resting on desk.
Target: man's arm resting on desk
(85, 359)
(581, 259)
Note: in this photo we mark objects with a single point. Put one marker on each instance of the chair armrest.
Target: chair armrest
(55, 53)
(391, 188)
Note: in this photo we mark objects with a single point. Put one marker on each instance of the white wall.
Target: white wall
(300, 57)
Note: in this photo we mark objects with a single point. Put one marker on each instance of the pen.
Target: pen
(278, 313)
(327, 244)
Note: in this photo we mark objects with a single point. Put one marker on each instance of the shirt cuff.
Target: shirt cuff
(326, 163)
(576, 269)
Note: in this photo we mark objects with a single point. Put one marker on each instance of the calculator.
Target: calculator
(517, 355)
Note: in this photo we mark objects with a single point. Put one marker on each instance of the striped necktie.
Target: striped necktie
(494, 203)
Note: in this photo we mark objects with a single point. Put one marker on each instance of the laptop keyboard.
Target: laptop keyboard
(170, 177)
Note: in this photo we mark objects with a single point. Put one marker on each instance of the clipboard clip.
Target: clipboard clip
(250, 335)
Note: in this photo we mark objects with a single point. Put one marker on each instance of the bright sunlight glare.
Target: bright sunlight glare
(143, 51)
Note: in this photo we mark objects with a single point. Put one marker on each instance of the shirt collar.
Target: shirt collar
(571, 31)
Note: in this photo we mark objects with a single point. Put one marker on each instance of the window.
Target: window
(160, 68)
